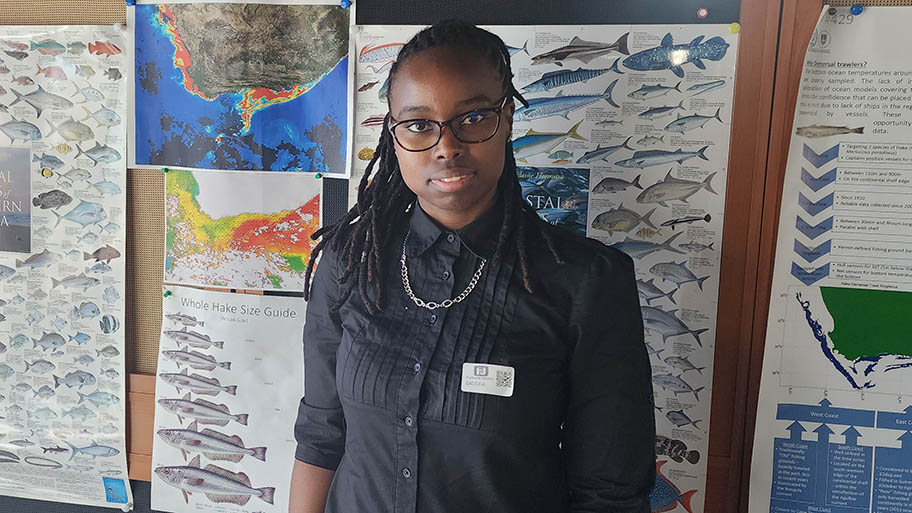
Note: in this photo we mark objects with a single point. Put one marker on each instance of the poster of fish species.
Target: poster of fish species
(240, 230)
(230, 377)
(62, 372)
(220, 85)
(645, 111)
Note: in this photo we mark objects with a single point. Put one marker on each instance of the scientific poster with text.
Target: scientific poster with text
(625, 140)
(834, 422)
(230, 378)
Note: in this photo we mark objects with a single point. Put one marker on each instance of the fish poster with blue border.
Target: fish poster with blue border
(230, 379)
(834, 422)
(218, 85)
(63, 139)
(645, 112)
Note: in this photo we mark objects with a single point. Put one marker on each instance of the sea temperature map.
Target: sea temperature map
(240, 231)
(223, 86)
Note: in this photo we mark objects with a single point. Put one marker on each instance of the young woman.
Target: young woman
(462, 355)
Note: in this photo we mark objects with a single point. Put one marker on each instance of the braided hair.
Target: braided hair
(384, 199)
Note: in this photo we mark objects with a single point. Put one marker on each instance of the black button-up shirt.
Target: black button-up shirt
(383, 405)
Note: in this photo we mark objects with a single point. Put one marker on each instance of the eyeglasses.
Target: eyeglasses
(471, 127)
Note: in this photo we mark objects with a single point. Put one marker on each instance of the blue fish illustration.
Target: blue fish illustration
(16, 129)
(561, 105)
(565, 77)
(84, 214)
(648, 158)
(515, 49)
(640, 248)
(534, 142)
(664, 323)
(665, 495)
(671, 56)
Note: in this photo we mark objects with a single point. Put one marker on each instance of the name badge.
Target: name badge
(485, 378)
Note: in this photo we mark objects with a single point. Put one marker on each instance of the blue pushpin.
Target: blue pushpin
(856, 9)
(345, 4)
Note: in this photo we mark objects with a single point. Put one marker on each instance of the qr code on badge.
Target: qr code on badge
(504, 379)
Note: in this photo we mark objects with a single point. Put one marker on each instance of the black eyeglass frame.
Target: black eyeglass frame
(447, 123)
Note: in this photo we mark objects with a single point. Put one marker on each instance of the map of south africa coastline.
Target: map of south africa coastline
(869, 334)
(211, 101)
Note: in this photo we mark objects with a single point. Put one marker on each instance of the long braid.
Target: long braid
(384, 200)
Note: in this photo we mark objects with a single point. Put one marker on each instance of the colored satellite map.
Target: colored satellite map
(223, 86)
(223, 232)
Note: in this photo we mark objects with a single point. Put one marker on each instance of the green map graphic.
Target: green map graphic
(869, 323)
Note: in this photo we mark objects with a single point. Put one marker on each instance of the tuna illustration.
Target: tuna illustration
(646, 92)
(196, 383)
(218, 484)
(84, 214)
(678, 273)
(16, 129)
(52, 199)
(672, 57)
(38, 260)
(99, 153)
(194, 359)
(620, 219)
(667, 325)
(193, 338)
(94, 450)
(649, 291)
(675, 385)
(686, 123)
(561, 78)
(660, 112)
(533, 143)
(41, 100)
(640, 248)
(665, 496)
(611, 184)
(683, 364)
(696, 89)
(680, 419)
(77, 379)
(600, 153)
(649, 158)
(75, 282)
(582, 50)
(823, 130)
(516, 49)
(72, 130)
(211, 443)
(561, 105)
(202, 411)
(673, 189)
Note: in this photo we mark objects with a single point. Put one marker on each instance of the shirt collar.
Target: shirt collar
(480, 236)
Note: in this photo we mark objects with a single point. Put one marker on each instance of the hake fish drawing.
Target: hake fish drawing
(193, 338)
(194, 359)
(602, 153)
(561, 105)
(202, 411)
(641, 248)
(685, 124)
(814, 131)
(667, 325)
(196, 383)
(669, 56)
(184, 319)
(211, 443)
(216, 483)
(648, 158)
(582, 50)
(565, 77)
(673, 189)
(533, 143)
(621, 219)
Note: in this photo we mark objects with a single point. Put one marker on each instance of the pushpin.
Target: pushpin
(856, 9)
(167, 293)
(734, 28)
(702, 13)
(164, 170)
(131, 2)
(318, 175)
(345, 4)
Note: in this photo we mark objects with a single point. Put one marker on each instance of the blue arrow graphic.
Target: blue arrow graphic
(812, 232)
(818, 160)
(894, 420)
(815, 208)
(809, 278)
(825, 403)
(851, 436)
(812, 254)
(818, 183)
(823, 460)
(795, 428)
(906, 440)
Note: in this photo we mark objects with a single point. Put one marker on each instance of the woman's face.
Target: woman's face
(454, 181)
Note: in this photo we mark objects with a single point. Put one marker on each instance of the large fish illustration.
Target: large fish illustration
(196, 383)
(671, 56)
(72, 130)
(620, 219)
(676, 385)
(671, 189)
(649, 158)
(565, 77)
(820, 130)
(677, 273)
(534, 142)
(667, 324)
(202, 411)
(18, 129)
(99, 153)
(41, 100)
(675, 449)
(686, 123)
(640, 248)
(582, 50)
(602, 153)
(561, 105)
(213, 445)
(218, 484)
(193, 338)
(84, 214)
(665, 495)
(649, 291)
(194, 359)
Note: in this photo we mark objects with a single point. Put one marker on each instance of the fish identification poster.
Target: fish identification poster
(834, 415)
(230, 378)
(625, 140)
(62, 241)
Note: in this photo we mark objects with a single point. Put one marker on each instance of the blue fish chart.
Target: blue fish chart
(245, 96)
(625, 140)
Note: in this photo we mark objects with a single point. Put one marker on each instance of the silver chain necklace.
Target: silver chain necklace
(446, 303)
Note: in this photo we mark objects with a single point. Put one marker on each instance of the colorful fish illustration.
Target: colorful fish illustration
(533, 143)
(47, 47)
(52, 72)
(105, 48)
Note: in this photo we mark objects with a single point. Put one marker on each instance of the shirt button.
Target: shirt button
(406, 473)
(451, 237)
(417, 368)
(446, 275)
(409, 421)
(432, 319)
